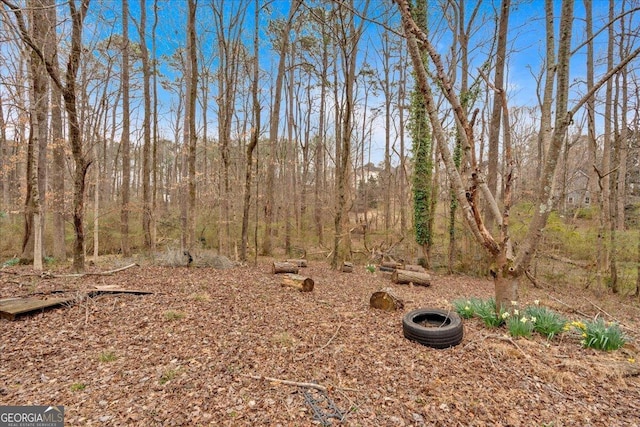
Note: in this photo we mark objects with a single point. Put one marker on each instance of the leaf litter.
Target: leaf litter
(240, 350)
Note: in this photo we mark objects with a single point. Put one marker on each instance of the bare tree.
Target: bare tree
(147, 211)
(57, 145)
(125, 142)
(255, 136)
(496, 114)
(190, 137)
(37, 146)
(507, 266)
(69, 93)
(274, 124)
(348, 39)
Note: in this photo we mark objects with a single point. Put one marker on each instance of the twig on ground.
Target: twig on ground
(320, 348)
(532, 279)
(491, 359)
(49, 275)
(100, 273)
(568, 306)
(608, 315)
(287, 382)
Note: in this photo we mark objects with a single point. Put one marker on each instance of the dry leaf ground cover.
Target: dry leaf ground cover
(197, 352)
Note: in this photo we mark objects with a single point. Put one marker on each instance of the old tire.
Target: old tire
(433, 327)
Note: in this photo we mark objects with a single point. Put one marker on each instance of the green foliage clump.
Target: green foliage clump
(600, 335)
(596, 334)
(486, 310)
(546, 322)
(11, 262)
(467, 308)
(519, 325)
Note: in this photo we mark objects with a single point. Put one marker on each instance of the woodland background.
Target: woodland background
(271, 128)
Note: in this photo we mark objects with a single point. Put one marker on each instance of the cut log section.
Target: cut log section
(384, 299)
(414, 267)
(284, 267)
(390, 265)
(405, 276)
(297, 281)
(347, 267)
(299, 262)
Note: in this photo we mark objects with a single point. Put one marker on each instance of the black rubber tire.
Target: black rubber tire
(447, 335)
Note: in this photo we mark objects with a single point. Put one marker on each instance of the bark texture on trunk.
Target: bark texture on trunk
(405, 276)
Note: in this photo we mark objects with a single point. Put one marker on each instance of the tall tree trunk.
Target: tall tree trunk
(349, 39)
(274, 124)
(59, 250)
(255, 135)
(192, 93)
(607, 151)
(36, 158)
(496, 114)
(403, 161)
(320, 147)
(594, 180)
(125, 246)
(154, 150)
(147, 212)
(423, 182)
(4, 154)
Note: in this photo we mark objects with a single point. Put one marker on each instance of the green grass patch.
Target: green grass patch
(78, 386)
(168, 375)
(172, 315)
(108, 356)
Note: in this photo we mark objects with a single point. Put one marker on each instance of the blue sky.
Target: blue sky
(526, 40)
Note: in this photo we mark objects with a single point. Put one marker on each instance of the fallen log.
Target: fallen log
(347, 267)
(414, 267)
(415, 277)
(299, 262)
(297, 281)
(384, 299)
(284, 267)
(386, 269)
(391, 264)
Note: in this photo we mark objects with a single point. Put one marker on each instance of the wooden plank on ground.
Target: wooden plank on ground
(114, 289)
(12, 307)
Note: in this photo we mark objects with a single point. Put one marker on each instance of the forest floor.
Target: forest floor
(226, 347)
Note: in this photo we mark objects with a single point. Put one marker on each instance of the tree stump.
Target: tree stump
(384, 299)
(415, 277)
(347, 267)
(296, 281)
(299, 262)
(284, 267)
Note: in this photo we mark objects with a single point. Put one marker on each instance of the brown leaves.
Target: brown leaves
(240, 324)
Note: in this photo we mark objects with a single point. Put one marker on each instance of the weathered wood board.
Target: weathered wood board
(12, 307)
(111, 289)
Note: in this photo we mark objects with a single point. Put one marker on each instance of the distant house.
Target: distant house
(369, 172)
